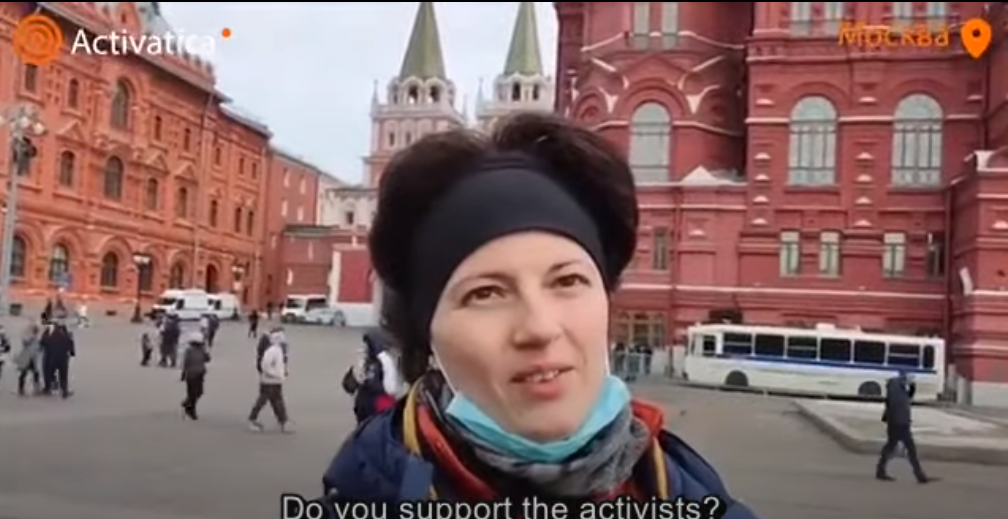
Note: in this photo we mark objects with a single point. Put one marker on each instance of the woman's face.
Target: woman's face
(521, 329)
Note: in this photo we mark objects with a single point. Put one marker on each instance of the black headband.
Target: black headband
(505, 196)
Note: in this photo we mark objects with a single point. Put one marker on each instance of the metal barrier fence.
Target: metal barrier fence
(632, 366)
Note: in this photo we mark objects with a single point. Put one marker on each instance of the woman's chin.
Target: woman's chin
(545, 429)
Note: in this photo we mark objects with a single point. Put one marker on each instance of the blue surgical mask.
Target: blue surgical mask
(612, 400)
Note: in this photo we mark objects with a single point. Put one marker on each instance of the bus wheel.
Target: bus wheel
(736, 379)
(869, 389)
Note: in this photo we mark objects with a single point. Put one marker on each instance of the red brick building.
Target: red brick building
(141, 154)
(332, 257)
(293, 185)
(796, 180)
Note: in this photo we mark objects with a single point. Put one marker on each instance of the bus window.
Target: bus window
(738, 344)
(770, 345)
(835, 350)
(709, 345)
(869, 352)
(905, 355)
(928, 357)
(802, 347)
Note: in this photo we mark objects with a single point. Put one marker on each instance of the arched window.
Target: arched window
(812, 148)
(19, 258)
(176, 276)
(152, 194)
(249, 222)
(113, 179)
(110, 270)
(650, 143)
(59, 264)
(120, 106)
(917, 142)
(214, 209)
(158, 127)
(211, 278)
(182, 202)
(237, 219)
(187, 139)
(73, 93)
(67, 164)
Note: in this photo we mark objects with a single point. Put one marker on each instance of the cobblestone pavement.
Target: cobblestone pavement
(119, 448)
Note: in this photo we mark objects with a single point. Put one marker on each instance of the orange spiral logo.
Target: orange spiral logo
(38, 39)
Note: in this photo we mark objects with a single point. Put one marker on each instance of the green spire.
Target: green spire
(524, 57)
(423, 56)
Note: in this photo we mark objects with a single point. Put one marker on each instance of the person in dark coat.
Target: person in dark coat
(146, 348)
(47, 311)
(212, 326)
(57, 349)
(194, 369)
(897, 416)
(377, 378)
(170, 333)
(5, 349)
(253, 324)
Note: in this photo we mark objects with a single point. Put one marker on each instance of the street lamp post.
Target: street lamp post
(142, 262)
(22, 122)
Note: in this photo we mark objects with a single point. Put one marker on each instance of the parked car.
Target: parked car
(327, 316)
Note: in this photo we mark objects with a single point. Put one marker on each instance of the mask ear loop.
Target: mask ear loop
(438, 365)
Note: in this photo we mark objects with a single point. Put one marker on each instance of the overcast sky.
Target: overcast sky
(308, 69)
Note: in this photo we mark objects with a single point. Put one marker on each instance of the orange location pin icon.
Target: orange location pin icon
(976, 36)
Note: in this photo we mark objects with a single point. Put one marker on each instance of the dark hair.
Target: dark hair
(587, 165)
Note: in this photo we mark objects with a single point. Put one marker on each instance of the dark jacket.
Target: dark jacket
(171, 333)
(898, 401)
(57, 344)
(372, 386)
(194, 361)
(375, 465)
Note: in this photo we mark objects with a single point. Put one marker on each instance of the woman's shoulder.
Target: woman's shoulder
(696, 480)
(373, 464)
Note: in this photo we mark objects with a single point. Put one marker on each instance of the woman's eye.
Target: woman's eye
(571, 280)
(481, 294)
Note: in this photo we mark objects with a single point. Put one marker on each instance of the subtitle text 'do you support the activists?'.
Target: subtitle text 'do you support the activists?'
(974, 36)
(38, 39)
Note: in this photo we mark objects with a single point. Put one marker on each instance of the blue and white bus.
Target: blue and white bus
(822, 361)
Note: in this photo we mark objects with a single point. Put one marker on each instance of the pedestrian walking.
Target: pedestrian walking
(82, 316)
(897, 416)
(28, 359)
(212, 326)
(170, 332)
(194, 369)
(57, 349)
(146, 348)
(272, 376)
(5, 349)
(253, 328)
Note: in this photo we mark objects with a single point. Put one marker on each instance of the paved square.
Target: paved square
(120, 450)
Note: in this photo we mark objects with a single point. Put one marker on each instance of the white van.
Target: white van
(297, 306)
(188, 305)
(225, 306)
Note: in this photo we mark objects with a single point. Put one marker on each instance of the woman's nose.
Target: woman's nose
(537, 325)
